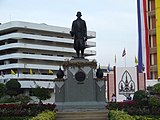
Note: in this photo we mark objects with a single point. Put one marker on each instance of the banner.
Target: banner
(143, 44)
(126, 82)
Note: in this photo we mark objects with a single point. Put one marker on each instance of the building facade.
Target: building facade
(32, 53)
(149, 37)
(154, 37)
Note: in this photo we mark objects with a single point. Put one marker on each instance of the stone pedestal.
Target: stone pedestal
(80, 89)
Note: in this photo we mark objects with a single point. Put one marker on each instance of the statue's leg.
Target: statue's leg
(77, 51)
(82, 53)
(76, 47)
(82, 47)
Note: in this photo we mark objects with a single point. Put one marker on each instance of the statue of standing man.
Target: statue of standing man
(79, 32)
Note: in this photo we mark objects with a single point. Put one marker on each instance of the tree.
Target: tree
(2, 90)
(41, 93)
(12, 87)
(141, 97)
(22, 98)
(156, 89)
(154, 100)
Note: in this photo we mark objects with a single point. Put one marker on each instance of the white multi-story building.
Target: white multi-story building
(32, 50)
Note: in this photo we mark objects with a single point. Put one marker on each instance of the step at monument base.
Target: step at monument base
(83, 115)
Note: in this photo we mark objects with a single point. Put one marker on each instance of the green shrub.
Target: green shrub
(14, 118)
(112, 106)
(16, 99)
(2, 89)
(46, 115)
(41, 93)
(12, 87)
(154, 100)
(141, 97)
(22, 98)
(119, 115)
(156, 89)
(16, 110)
(142, 118)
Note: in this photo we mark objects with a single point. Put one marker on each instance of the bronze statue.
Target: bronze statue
(79, 32)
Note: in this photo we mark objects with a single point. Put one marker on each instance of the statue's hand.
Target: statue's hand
(72, 34)
(85, 38)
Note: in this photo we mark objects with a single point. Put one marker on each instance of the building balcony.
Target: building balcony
(152, 13)
(31, 81)
(29, 77)
(60, 31)
(33, 56)
(153, 50)
(153, 68)
(29, 66)
(152, 31)
(42, 38)
(32, 84)
(43, 48)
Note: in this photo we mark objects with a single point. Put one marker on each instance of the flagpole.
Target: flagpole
(125, 61)
(115, 60)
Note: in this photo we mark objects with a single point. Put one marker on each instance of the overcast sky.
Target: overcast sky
(114, 21)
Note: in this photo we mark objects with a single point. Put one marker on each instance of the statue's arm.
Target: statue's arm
(72, 30)
(85, 31)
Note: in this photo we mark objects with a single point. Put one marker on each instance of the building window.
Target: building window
(1, 63)
(44, 73)
(156, 75)
(151, 59)
(47, 54)
(60, 55)
(149, 23)
(152, 75)
(155, 59)
(153, 22)
(25, 72)
(6, 62)
(150, 42)
(152, 5)
(154, 41)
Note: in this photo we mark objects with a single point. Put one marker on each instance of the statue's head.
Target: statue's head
(79, 14)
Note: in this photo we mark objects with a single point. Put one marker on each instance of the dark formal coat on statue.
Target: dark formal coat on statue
(79, 32)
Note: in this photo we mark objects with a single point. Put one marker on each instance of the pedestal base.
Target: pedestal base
(80, 106)
(80, 89)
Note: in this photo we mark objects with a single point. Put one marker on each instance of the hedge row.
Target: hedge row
(133, 108)
(14, 118)
(121, 115)
(7, 110)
